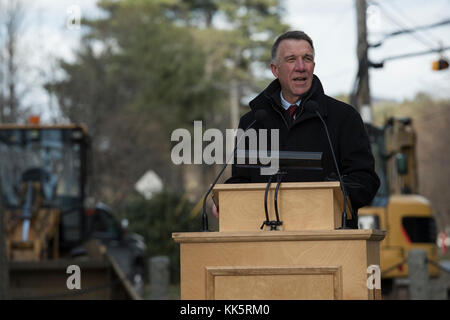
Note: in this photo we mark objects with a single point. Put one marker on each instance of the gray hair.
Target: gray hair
(296, 35)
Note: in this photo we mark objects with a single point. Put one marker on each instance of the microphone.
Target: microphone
(313, 105)
(259, 116)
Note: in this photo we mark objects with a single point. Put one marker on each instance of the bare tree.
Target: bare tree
(11, 17)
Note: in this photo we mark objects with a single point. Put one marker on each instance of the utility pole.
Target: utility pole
(362, 103)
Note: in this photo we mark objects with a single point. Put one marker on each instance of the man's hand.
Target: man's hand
(215, 211)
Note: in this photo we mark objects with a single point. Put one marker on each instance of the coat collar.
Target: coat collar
(272, 95)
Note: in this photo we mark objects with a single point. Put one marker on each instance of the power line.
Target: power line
(365, 63)
(414, 54)
(405, 18)
(400, 32)
(437, 24)
(419, 38)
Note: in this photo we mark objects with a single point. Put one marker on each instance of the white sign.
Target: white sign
(149, 184)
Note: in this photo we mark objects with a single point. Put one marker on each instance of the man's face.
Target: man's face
(294, 68)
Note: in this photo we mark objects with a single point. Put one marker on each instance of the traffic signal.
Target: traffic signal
(441, 64)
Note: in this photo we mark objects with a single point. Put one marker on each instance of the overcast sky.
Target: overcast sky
(330, 23)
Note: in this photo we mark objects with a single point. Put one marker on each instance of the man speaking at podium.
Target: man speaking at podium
(292, 103)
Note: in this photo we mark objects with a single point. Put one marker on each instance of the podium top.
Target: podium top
(301, 205)
(283, 185)
(199, 237)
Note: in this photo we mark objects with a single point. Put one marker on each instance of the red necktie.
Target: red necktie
(292, 109)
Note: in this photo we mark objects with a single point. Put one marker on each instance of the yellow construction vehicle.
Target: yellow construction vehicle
(397, 208)
(43, 173)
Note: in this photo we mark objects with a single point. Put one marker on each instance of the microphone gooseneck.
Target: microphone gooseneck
(259, 116)
(314, 106)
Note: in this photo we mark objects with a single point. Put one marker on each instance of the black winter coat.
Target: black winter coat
(306, 133)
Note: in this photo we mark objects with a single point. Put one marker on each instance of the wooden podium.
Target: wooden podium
(306, 258)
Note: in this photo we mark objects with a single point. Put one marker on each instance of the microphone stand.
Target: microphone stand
(266, 193)
(204, 215)
(205, 226)
(279, 178)
(274, 223)
(344, 213)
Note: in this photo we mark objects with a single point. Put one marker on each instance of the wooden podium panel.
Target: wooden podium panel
(326, 264)
(263, 283)
(302, 206)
